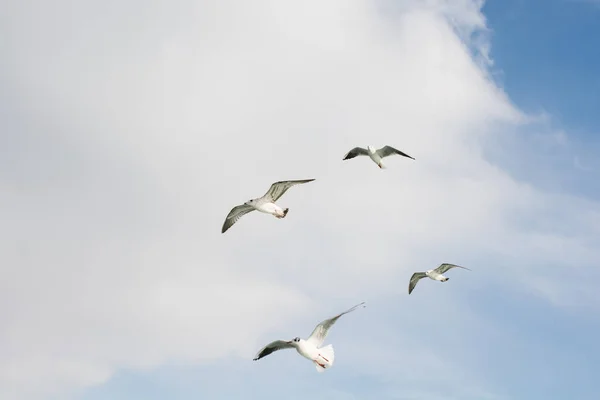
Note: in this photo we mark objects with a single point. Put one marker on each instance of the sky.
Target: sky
(130, 129)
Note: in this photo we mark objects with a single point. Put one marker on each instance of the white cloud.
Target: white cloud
(136, 128)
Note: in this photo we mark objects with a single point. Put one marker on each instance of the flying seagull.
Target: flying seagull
(435, 274)
(376, 155)
(310, 348)
(265, 204)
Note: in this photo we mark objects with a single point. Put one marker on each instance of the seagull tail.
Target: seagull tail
(285, 211)
(325, 359)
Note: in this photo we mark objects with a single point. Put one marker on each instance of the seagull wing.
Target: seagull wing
(279, 188)
(357, 151)
(445, 267)
(234, 215)
(414, 279)
(389, 150)
(318, 335)
(271, 347)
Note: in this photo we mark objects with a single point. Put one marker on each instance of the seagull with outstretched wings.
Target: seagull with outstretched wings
(265, 204)
(374, 154)
(435, 274)
(310, 348)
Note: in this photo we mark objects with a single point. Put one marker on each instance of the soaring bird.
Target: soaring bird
(435, 274)
(310, 348)
(374, 154)
(265, 204)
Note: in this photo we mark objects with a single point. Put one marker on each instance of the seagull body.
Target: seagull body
(310, 349)
(322, 357)
(265, 204)
(436, 274)
(268, 207)
(374, 154)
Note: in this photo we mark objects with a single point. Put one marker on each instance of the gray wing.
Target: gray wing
(271, 347)
(445, 267)
(234, 215)
(414, 279)
(279, 188)
(318, 335)
(389, 150)
(357, 151)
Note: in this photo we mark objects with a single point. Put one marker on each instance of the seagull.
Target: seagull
(310, 348)
(435, 274)
(376, 155)
(265, 204)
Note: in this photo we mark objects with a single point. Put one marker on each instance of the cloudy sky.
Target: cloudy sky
(129, 129)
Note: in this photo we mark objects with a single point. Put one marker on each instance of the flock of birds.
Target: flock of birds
(311, 348)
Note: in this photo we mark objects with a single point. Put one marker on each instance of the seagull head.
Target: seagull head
(249, 202)
(295, 341)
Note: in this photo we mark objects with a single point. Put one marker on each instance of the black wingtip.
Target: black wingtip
(363, 304)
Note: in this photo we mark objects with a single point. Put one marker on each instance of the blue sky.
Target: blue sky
(544, 51)
(545, 61)
(123, 152)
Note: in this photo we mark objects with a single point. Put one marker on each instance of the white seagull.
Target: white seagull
(435, 274)
(310, 348)
(265, 204)
(374, 154)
